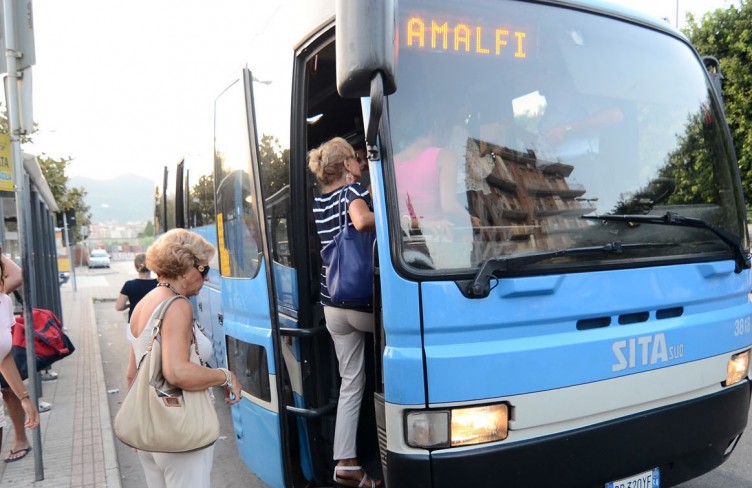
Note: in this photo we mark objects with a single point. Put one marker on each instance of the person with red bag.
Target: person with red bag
(21, 410)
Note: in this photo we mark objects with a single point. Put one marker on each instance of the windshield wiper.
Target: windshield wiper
(480, 286)
(733, 241)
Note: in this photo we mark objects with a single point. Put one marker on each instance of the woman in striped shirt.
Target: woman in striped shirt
(335, 165)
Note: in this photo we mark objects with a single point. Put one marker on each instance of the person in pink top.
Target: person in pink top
(426, 188)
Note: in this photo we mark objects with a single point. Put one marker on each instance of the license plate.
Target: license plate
(648, 479)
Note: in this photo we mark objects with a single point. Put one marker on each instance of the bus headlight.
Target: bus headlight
(427, 429)
(457, 426)
(737, 368)
(477, 425)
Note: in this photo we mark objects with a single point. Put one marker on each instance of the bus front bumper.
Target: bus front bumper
(684, 440)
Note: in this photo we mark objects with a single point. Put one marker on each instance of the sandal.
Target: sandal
(18, 455)
(355, 483)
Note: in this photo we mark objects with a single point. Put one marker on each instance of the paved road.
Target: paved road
(228, 469)
(734, 473)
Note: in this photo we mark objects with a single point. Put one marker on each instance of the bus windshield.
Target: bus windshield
(513, 129)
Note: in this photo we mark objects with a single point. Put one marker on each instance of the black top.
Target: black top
(135, 290)
(325, 212)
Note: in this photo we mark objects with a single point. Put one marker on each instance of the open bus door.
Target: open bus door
(248, 308)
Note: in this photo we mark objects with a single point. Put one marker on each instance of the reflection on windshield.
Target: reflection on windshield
(502, 154)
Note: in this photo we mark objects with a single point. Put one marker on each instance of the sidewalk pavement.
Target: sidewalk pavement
(77, 441)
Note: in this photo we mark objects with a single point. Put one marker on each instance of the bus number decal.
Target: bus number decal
(643, 351)
(742, 326)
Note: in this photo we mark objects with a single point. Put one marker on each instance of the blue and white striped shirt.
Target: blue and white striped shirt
(329, 211)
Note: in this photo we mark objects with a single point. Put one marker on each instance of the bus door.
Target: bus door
(248, 314)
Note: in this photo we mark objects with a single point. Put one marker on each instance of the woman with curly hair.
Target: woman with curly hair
(180, 259)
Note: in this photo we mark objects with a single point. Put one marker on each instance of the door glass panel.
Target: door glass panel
(248, 362)
(237, 222)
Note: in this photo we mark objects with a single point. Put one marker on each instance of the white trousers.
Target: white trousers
(178, 470)
(348, 328)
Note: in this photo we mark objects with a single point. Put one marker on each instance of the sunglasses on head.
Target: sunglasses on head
(202, 268)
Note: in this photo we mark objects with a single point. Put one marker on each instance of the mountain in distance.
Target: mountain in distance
(123, 199)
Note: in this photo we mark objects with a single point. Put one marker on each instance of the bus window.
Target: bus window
(158, 211)
(542, 140)
(199, 183)
(199, 201)
(170, 194)
(274, 165)
(249, 361)
(237, 218)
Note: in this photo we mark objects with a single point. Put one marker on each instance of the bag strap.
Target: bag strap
(156, 326)
(339, 208)
(156, 322)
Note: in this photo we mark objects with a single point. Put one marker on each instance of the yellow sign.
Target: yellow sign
(63, 264)
(458, 37)
(224, 253)
(6, 168)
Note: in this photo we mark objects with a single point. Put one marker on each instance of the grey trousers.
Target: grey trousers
(348, 328)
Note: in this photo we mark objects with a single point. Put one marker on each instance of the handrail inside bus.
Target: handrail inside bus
(294, 332)
(311, 413)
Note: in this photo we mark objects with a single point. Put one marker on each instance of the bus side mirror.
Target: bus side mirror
(365, 45)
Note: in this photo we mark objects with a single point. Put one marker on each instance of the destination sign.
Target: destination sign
(464, 38)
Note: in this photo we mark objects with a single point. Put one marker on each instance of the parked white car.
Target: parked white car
(98, 258)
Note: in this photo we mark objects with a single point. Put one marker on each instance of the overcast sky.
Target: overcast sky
(127, 87)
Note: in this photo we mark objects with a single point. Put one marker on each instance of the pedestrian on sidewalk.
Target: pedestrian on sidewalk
(21, 410)
(180, 259)
(134, 290)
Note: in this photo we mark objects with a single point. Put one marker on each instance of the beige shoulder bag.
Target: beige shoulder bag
(159, 417)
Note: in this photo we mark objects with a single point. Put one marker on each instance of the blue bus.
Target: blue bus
(564, 302)
(185, 198)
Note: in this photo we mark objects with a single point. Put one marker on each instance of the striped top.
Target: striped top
(326, 214)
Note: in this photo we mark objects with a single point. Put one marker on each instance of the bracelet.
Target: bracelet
(24, 396)
(228, 382)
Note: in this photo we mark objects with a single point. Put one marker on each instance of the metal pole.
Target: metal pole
(71, 260)
(23, 212)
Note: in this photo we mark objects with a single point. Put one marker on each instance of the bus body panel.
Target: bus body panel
(218, 331)
(243, 319)
(489, 348)
(256, 420)
(208, 303)
(403, 356)
(259, 442)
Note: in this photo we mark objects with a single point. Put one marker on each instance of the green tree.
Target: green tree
(275, 165)
(201, 211)
(66, 198)
(148, 230)
(727, 35)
